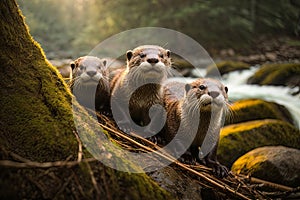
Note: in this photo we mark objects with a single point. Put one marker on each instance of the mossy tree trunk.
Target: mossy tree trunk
(36, 124)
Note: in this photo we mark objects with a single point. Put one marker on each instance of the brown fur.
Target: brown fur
(147, 66)
(89, 78)
(197, 102)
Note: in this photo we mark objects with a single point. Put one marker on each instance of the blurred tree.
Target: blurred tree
(78, 25)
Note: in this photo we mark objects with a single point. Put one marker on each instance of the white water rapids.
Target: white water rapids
(239, 89)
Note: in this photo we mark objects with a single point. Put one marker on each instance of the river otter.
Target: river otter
(198, 113)
(137, 91)
(90, 84)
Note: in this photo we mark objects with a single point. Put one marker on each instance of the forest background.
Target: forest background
(72, 28)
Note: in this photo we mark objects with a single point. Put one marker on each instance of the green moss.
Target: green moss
(180, 63)
(246, 110)
(37, 123)
(272, 163)
(33, 98)
(275, 74)
(238, 139)
(293, 42)
(225, 67)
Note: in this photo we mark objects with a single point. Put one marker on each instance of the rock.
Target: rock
(271, 56)
(227, 52)
(60, 63)
(246, 110)
(230, 52)
(277, 164)
(178, 184)
(225, 67)
(238, 139)
(276, 74)
(256, 58)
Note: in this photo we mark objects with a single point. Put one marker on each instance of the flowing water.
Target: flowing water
(239, 89)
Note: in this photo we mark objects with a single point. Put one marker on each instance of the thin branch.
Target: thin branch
(94, 182)
(78, 184)
(63, 187)
(268, 184)
(79, 157)
(31, 164)
(108, 194)
(170, 158)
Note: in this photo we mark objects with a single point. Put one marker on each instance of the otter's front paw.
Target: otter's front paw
(219, 170)
(124, 126)
(153, 139)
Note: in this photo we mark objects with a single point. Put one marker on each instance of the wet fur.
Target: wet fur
(85, 85)
(183, 111)
(138, 72)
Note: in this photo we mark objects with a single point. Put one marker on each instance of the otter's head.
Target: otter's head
(207, 93)
(89, 71)
(148, 63)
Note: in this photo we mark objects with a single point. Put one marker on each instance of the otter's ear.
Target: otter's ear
(129, 54)
(168, 53)
(104, 62)
(73, 65)
(187, 87)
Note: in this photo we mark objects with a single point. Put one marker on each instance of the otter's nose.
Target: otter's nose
(214, 94)
(152, 60)
(91, 73)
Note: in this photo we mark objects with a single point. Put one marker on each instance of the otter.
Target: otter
(137, 89)
(90, 79)
(200, 109)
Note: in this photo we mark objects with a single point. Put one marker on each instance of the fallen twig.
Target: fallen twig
(170, 158)
(63, 187)
(93, 179)
(267, 183)
(31, 164)
(79, 157)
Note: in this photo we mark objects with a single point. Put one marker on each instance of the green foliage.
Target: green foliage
(76, 26)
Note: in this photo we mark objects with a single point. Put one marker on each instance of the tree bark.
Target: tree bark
(36, 125)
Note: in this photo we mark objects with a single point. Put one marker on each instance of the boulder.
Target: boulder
(276, 74)
(238, 139)
(176, 183)
(246, 110)
(225, 67)
(277, 164)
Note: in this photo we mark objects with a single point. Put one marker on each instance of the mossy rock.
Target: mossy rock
(181, 64)
(276, 74)
(247, 110)
(225, 67)
(277, 164)
(238, 139)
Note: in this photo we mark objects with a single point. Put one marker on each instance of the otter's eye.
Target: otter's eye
(81, 67)
(161, 55)
(142, 55)
(202, 87)
(226, 89)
